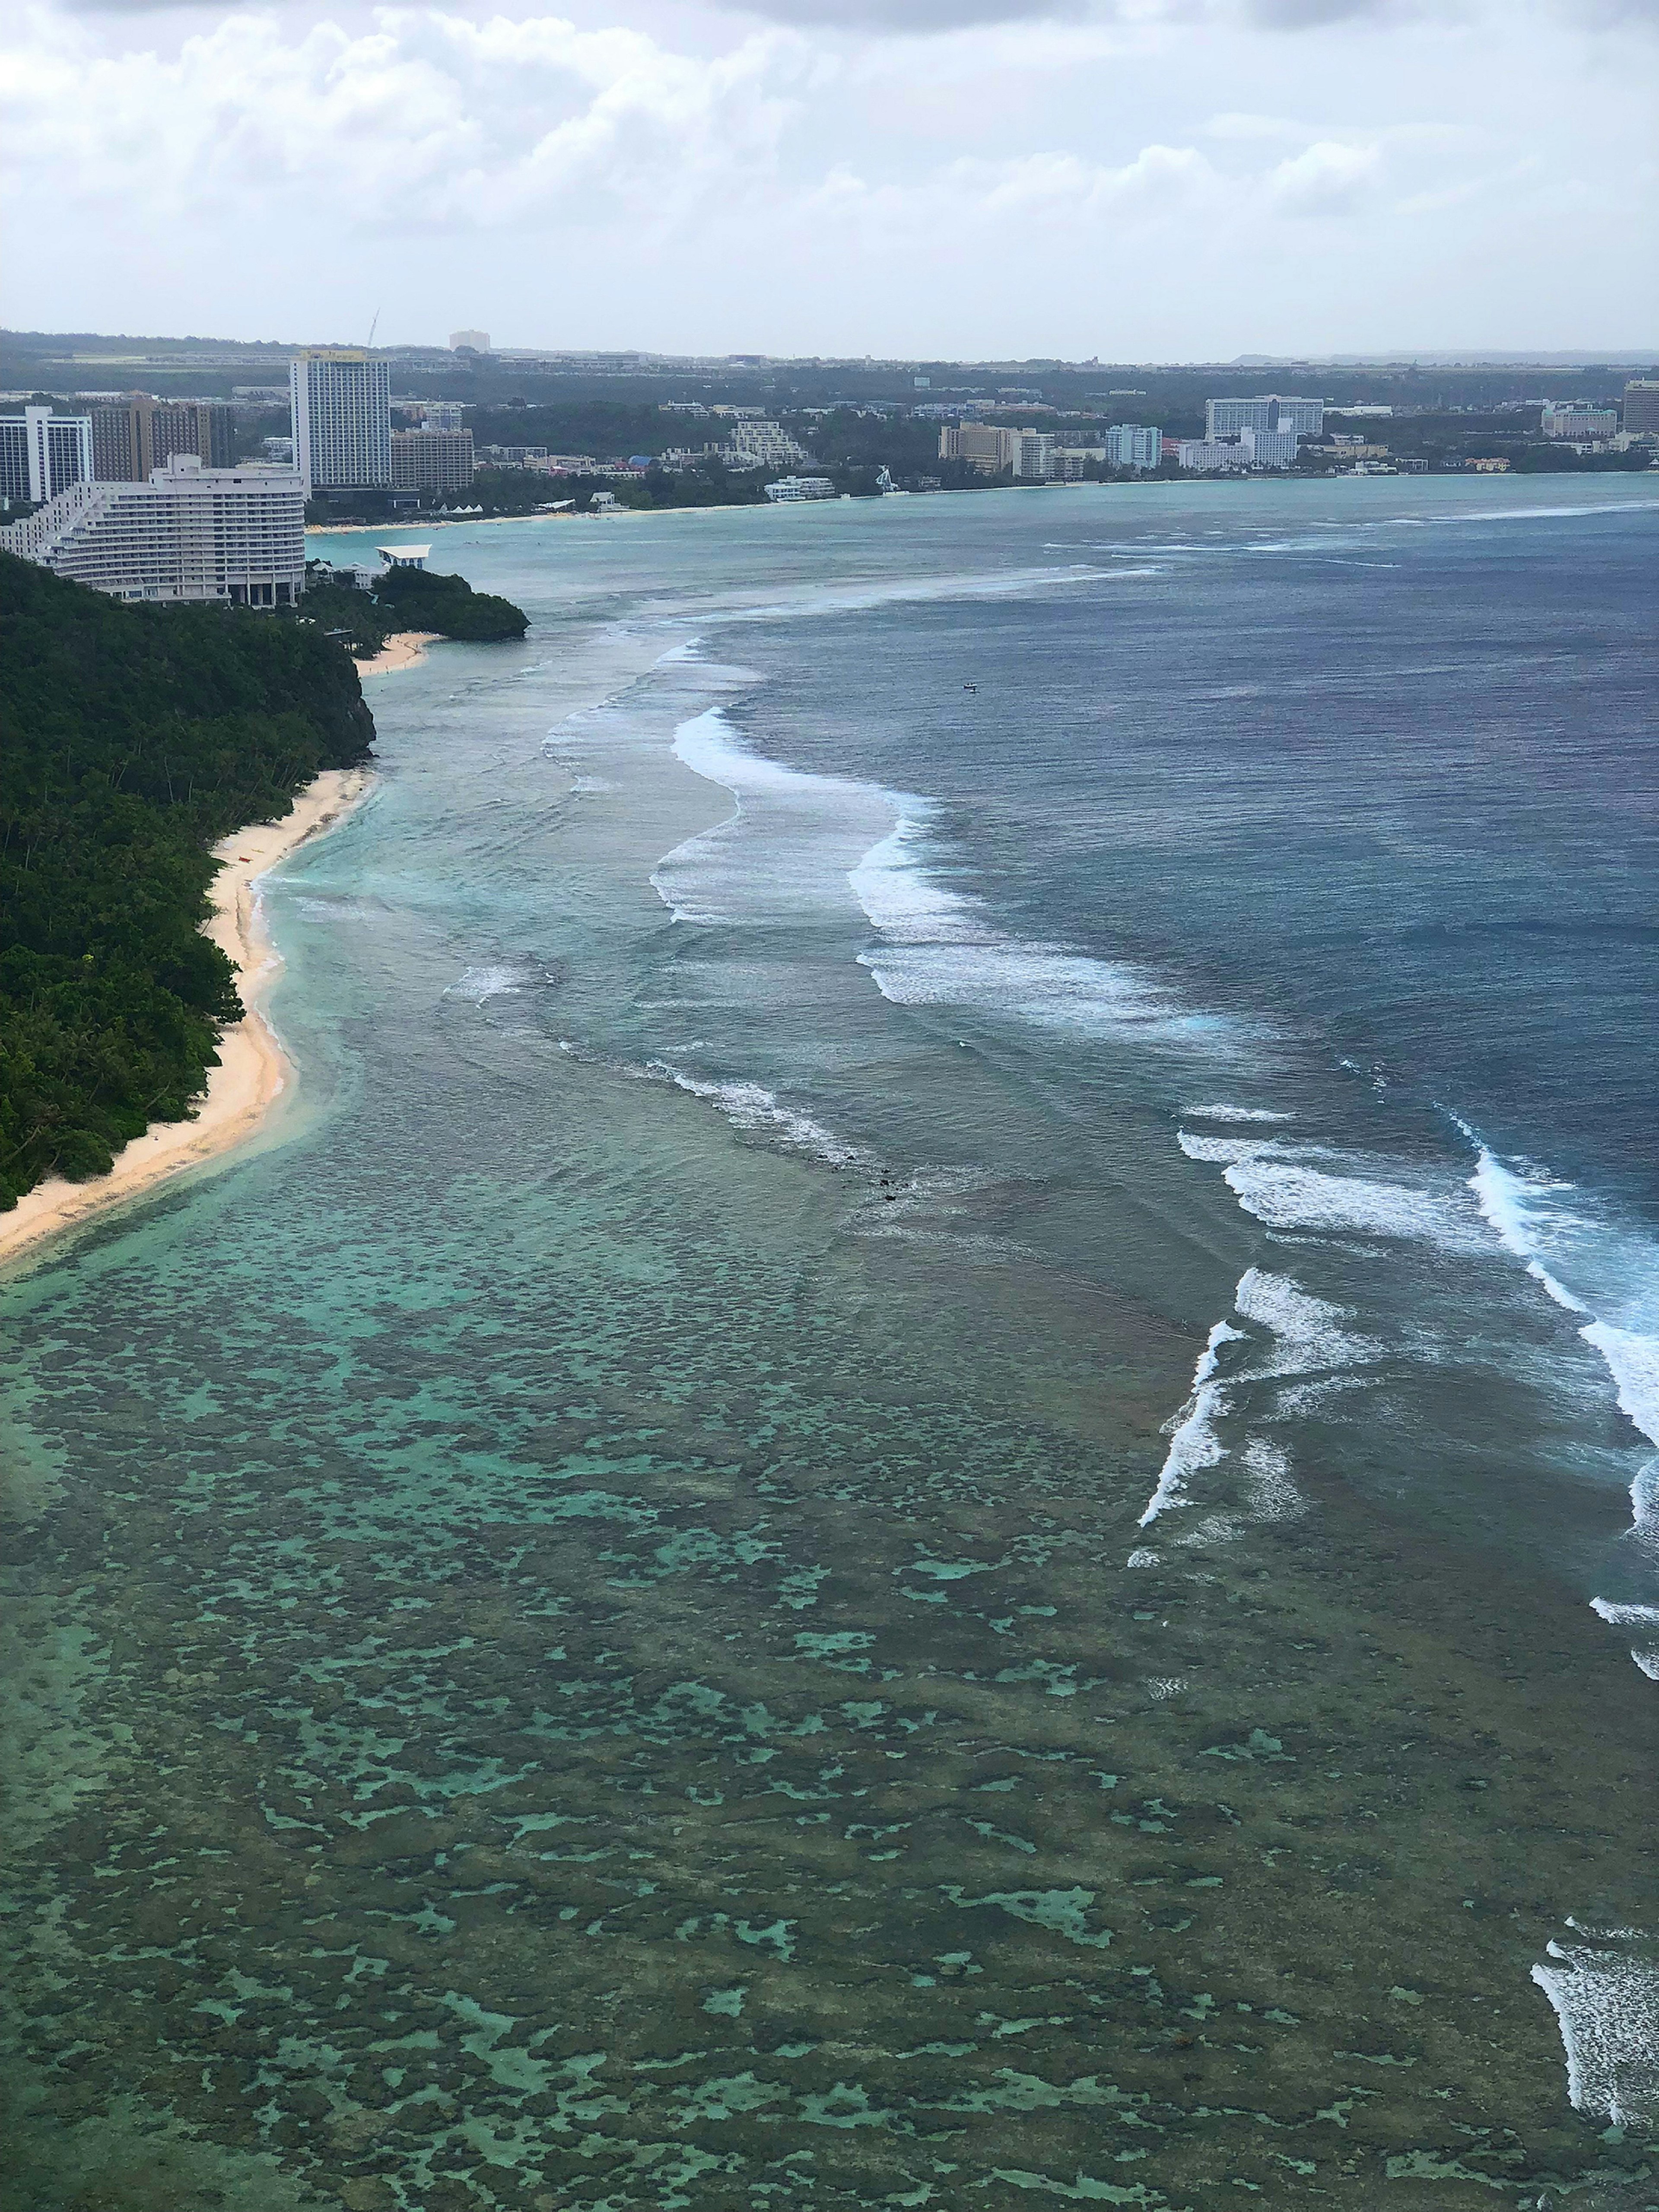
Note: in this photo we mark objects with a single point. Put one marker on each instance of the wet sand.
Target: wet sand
(252, 1067)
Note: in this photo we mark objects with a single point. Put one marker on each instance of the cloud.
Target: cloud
(1327, 179)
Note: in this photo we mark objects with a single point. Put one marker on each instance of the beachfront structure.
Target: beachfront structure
(758, 444)
(1268, 411)
(340, 406)
(788, 489)
(42, 453)
(403, 556)
(1268, 449)
(1575, 419)
(1025, 453)
(188, 535)
(1210, 453)
(1134, 446)
(1642, 407)
(133, 436)
(430, 459)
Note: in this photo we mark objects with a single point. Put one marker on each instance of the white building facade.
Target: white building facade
(1268, 411)
(190, 536)
(1134, 446)
(1568, 419)
(1209, 453)
(1268, 449)
(340, 408)
(788, 489)
(758, 444)
(42, 453)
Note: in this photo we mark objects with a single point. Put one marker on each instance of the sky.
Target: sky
(1154, 180)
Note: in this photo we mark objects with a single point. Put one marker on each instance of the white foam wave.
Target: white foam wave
(1193, 1440)
(941, 949)
(475, 984)
(1272, 1496)
(1633, 1362)
(1287, 1194)
(1235, 1114)
(756, 1110)
(1606, 2005)
(1306, 1330)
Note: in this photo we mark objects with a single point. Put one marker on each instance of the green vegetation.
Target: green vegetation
(131, 738)
(404, 599)
(415, 599)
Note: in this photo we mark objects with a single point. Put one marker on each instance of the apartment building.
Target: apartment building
(1210, 453)
(1642, 407)
(431, 460)
(187, 535)
(42, 453)
(1134, 446)
(133, 436)
(756, 443)
(340, 403)
(1027, 455)
(1268, 411)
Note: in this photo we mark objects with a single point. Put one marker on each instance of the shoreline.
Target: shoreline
(401, 650)
(253, 1069)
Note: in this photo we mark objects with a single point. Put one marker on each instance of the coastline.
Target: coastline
(252, 1067)
(401, 650)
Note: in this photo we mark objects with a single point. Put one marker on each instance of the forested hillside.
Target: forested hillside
(131, 739)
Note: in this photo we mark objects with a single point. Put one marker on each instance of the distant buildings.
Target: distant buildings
(340, 405)
(431, 460)
(1642, 407)
(469, 342)
(436, 414)
(1134, 446)
(41, 454)
(1266, 449)
(133, 436)
(189, 534)
(1208, 455)
(756, 443)
(788, 489)
(1225, 418)
(1026, 454)
(1575, 419)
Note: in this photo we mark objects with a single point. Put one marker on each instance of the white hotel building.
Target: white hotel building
(42, 453)
(233, 537)
(340, 409)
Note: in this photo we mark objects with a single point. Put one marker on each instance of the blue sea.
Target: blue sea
(921, 1470)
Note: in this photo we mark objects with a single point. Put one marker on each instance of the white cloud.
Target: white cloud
(1326, 179)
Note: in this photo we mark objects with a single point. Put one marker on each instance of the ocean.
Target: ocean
(991, 1146)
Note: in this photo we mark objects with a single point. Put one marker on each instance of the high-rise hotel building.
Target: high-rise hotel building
(340, 403)
(131, 436)
(42, 453)
(236, 537)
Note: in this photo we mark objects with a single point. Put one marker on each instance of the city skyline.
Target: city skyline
(948, 182)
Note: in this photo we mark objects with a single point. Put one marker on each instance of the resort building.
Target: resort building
(1642, 407)
(431, 460)
(1576, 419)
(1210, 453)
(1025, 453)
(42, 453)
(1268, 449)
(133, 436)
(1134, 446)
(190, 534)
(790, 488)
(340, 403)
(1225, 418)
(758, 444)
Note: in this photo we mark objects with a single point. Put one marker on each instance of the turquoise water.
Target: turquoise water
(588, 1633)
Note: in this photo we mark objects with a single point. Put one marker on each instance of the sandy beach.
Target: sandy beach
(401, 650)
(252, 1067)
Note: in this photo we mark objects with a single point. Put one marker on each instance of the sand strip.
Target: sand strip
(401, 650)
(252, 1066)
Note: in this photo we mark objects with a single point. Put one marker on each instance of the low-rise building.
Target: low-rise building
(787, 489)
(42, 454)
(1566, 418)
(431, 460)
(189, 534)
(1488, 465)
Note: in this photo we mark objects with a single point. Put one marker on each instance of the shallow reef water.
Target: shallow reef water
(577, 1652)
